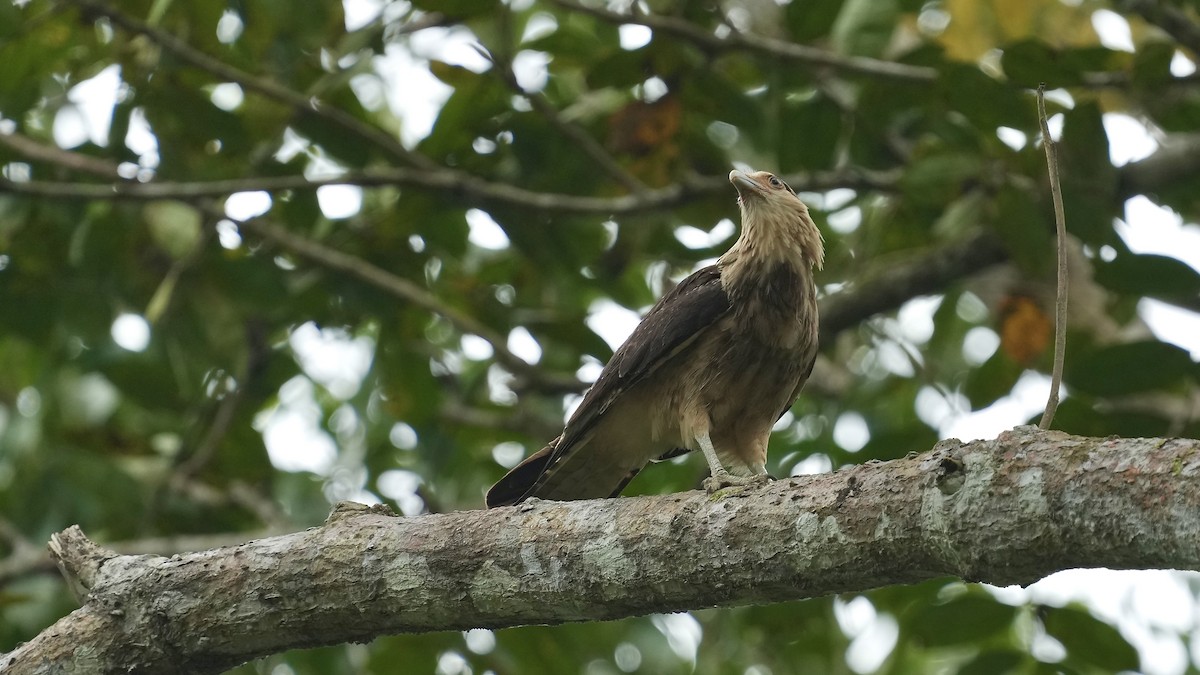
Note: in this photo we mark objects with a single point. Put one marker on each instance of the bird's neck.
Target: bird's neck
(765, 246)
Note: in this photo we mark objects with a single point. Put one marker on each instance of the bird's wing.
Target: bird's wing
(799, 385)
(674, 322)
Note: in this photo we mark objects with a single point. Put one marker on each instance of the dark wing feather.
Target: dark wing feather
(515, 484)
(799, 386)
(673, 323)
(670, 326)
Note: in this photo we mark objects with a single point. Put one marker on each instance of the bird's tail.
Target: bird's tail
(579, 475)
(520, 481)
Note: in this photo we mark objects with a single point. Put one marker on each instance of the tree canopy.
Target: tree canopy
(259, 257)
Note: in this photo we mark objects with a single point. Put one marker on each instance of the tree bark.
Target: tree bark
(1006, 511)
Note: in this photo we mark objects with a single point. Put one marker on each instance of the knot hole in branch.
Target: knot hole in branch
(951, 474)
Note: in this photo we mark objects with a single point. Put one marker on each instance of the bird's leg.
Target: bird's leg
(720, 478)
(717, 471)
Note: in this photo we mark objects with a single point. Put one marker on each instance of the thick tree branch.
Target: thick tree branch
(896, 284)
(1177, 159)
(1007, 511)
(35, 560)
(452, 182)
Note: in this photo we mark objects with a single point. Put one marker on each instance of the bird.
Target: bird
(711, 367)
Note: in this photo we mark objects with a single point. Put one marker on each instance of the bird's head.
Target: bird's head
(775, 223)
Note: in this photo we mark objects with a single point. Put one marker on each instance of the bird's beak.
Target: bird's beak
(744, 184)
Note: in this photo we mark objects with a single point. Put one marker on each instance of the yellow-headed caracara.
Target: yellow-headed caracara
(711, 367)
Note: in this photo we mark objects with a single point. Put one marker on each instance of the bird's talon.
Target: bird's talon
(714, 483)
(725, 479)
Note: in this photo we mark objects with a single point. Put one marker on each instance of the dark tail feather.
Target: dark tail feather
(624, 481)
(671, 454)
(520, 481)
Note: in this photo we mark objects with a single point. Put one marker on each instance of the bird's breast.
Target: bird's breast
(773, 307)
(745, 368)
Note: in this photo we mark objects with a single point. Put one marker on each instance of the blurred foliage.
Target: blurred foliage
(400, 406)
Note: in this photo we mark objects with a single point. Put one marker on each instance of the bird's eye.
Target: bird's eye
(775, 182)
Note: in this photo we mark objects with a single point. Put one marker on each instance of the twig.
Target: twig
(250, 370)
(430, 20)
(42, 152)
(861, 65)
(1060, 227)
(404, 289)
(521, 419)
(1171, 20)
(453, 182)
(302, 104)
(327, 257)
(572, 132)
(1105, 79)
(781, 49)
(207, 448)
(1178, 159)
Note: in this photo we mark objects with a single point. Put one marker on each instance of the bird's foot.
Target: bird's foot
(724, 479)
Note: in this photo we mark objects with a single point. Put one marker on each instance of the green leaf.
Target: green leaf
(988, 102)
(1177, 109)
(723, 99)
(1078, 414)
(621, 68)
(962, 215)
(811, 19)
(1152, 64)
(1129, 368)
(1088, 640)
(1089, 180)
(993, 379)
(968, 618)
(458, 9)
(864, 27)
(810, 133)
(1148, 274)
(570, 40)
(10, 21)
(1026, 228)
(1029, 63)
(995, 662)
(175, 226)
(938, 178)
